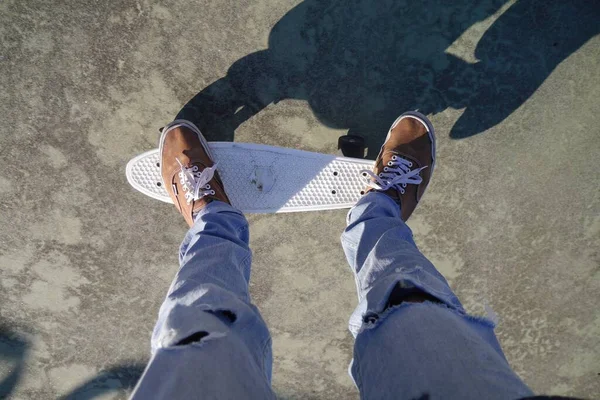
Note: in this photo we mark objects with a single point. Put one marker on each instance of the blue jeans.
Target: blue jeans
(210, 341)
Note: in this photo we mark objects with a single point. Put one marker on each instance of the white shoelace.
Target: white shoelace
(195, 183)
(397, 175)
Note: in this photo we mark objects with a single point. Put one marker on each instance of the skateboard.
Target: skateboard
(267, 179)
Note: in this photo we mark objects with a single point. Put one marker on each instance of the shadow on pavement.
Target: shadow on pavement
(360, 63)
(115, 378)
(13, 352)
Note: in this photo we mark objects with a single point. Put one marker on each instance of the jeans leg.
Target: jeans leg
(411, 350)
(210, 340)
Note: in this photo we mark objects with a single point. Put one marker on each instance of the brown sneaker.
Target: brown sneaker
(188, 172)
(405, 163)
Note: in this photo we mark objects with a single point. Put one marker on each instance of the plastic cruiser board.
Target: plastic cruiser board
(267, 179)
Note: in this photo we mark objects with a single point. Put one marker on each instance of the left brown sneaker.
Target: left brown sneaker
(188, 171)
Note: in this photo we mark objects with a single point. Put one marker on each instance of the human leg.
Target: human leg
(413, 337)
(210, 340)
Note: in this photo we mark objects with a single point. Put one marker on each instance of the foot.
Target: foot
(405, 163)
(188, 172)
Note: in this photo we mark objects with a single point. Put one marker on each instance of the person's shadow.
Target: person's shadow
(360, 63)
(14, 351)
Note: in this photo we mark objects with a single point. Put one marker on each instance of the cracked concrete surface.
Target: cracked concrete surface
(512, 216)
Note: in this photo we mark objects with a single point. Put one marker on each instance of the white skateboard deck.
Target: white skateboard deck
(267, 179)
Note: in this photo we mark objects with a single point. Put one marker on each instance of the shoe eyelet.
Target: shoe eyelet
(385, 169)
(207, 187)
(404, 185)
(394, 158)
(402, 191)
(390, 163)
(410, 164)
(212, 192)
(364, 174)
(381, 175)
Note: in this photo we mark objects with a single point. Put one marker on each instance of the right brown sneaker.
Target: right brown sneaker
(405, 163)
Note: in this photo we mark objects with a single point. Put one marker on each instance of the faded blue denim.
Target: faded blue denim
(210, 341)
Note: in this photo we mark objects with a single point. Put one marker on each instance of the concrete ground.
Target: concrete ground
(512, 216)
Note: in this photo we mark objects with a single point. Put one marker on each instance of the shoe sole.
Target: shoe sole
(430, 131)
(175, 124)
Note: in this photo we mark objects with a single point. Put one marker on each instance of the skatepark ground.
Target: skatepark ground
(511, 218)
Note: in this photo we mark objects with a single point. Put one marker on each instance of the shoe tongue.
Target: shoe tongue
(197, 156)
(415, 150)
(197, 162)
(387, 157)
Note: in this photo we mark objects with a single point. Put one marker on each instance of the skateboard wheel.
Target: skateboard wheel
(352, 146)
